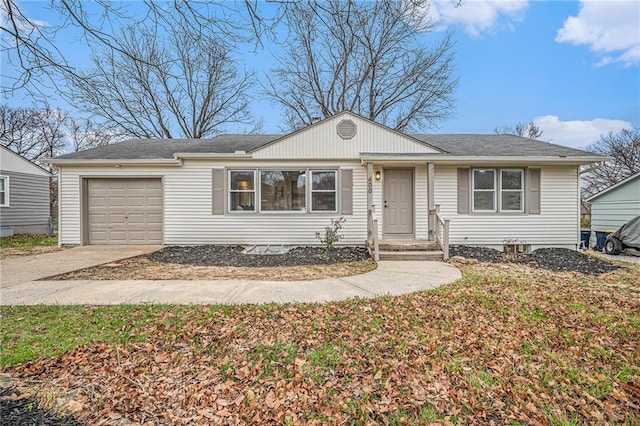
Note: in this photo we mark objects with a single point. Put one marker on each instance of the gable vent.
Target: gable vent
(346, 129)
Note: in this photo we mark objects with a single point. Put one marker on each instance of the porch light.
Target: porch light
(378, 175)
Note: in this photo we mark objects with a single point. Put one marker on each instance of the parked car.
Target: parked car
(628, 236)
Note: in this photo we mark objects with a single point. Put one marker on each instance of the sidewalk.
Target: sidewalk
(390, 278)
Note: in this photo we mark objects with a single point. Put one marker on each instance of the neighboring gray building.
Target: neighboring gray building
(24, 195)
(616, 205)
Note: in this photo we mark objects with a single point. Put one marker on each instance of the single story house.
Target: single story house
(616, 205)
(281, 189)
(24, 195)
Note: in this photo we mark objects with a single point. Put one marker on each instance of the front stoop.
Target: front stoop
(410, 250)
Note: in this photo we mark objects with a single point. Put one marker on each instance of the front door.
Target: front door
(397, 220)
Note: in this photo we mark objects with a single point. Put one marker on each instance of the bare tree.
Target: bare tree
(372, 58)
(181, 85)
(35, 134)
(31, 46)
(527, 130)
(624, 149)
(86, 134)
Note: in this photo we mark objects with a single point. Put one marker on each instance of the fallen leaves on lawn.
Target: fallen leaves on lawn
(503, 345)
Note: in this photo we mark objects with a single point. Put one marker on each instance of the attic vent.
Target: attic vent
(346, 129)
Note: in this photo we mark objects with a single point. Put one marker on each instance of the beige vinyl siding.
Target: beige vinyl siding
(28, 198)
(421, 203)
(557, 224)
(187, 214)
(322, 141)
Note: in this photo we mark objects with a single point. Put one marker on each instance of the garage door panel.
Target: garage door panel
(136, 201)
(154, 201)
(154, 219)
(136, 219)
(125, 211)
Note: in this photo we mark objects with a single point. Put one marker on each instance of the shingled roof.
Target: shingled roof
(498, 146)
(454, 145)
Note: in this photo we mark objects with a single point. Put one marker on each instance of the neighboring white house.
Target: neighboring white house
(616, 205)
(24, 195)
(281, 189)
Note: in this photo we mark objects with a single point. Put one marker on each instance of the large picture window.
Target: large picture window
(283, 190)
(4, 191)
(484, 190)
(242, 192)
(323, 191)
(511, 190)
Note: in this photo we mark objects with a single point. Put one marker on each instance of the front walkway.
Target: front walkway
(390, 278)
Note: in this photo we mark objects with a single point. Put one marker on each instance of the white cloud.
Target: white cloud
(609, 28)
(477, 16)
(578, 133)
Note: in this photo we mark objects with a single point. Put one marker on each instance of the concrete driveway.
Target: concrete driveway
(390, 278)
(29, 268)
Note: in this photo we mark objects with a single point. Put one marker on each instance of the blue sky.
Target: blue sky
(572, 67)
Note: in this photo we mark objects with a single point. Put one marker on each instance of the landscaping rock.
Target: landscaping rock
(18, 410)
(210, 255)
(552, 259)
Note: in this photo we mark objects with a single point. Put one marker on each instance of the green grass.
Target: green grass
(26, 242)
(502, 340)
(35, 332)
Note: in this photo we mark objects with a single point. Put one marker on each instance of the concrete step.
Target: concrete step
(409, 245)
(411, 255)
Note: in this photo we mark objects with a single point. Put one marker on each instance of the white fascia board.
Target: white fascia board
(459, 160)
(102, 162)
(212, 156)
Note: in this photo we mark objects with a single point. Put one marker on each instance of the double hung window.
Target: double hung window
(323, 191)
(498, 190)
(511, 190)
(484, 190)
(4, 191)
(242, 192)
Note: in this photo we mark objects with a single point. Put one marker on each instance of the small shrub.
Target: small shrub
(331, 233)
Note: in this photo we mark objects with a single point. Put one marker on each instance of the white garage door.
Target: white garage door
(124, 211)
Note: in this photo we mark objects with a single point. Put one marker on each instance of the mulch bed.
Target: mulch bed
(17, 410)
(552, 259)
(210, 255)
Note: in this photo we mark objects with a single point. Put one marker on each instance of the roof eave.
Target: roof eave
(480, 160)
(114, 162)
(240, 155)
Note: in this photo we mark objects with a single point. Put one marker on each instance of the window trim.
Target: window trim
(521, 190)
(474, 190)
(6, 191)
(323, 191)
(240, 191)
